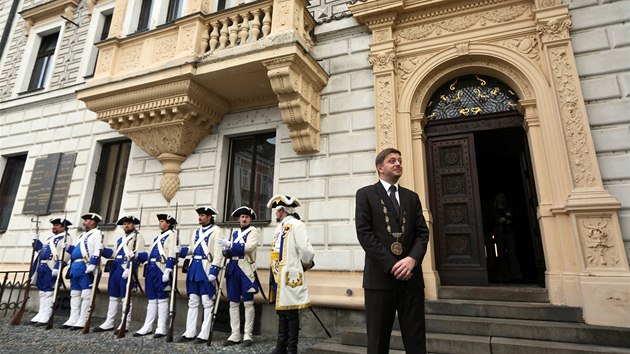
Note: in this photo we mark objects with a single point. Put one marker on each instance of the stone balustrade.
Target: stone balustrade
(239, 26)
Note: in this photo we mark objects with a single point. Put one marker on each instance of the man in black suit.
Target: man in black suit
(392, 231)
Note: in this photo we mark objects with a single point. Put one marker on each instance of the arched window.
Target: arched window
(471, 95)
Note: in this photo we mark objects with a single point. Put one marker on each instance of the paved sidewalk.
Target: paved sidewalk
(26, 339)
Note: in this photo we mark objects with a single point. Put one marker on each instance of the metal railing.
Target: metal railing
(12, 291)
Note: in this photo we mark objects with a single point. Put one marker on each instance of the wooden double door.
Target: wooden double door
(469, 162)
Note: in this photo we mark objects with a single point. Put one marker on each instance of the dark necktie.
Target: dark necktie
(392, 196)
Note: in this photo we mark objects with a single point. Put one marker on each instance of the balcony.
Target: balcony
(166, 88)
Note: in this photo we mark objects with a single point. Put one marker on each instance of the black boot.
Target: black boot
(294, 331)
(283, 334)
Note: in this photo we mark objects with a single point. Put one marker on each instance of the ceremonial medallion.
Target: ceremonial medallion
(397, 248)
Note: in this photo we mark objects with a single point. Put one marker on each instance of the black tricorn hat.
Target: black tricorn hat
(208, 210)
(92, 216)
(132, 219)
(60, 221)
(244, 211)
(168, 218)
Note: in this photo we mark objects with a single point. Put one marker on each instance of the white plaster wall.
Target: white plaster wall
(601, 42)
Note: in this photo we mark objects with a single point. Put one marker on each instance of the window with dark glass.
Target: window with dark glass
(145, 12)
(250, 174)
(110, 180)
(107, 22)
(173, 10)
(9, 187)
(42, 66)
(221, 5)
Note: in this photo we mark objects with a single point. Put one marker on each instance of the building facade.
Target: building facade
(166, 106)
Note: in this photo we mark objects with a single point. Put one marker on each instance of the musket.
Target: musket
(17, 318)
(172, 311)
(218, 297)
(96, 276)
(320, 322)
(51, 319)
(260, 286)
(131, 263)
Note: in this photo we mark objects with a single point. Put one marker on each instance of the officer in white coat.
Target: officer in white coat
(199, 283)
(47, 267)
(291, 256)
(240, 251)
(85, 255)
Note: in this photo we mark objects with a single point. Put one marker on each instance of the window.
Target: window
(174, 10)
(250, 180)
(145, 15)
(42, 67)
(110, 180)
(9, 187)
(106, 20)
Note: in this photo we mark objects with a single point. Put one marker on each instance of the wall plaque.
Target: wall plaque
(50, 182)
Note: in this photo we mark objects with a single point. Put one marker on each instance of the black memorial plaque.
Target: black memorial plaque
(49, 185)
(42, 182)
(62, 183)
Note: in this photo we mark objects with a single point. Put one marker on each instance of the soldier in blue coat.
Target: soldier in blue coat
(85, 255)
(128, 246)
(158, 276)
(199, 282)
(240, 251)
(47, 267)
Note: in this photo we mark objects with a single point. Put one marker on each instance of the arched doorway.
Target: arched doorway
(476, 150)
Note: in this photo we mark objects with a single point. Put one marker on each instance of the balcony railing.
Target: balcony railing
(239, 26)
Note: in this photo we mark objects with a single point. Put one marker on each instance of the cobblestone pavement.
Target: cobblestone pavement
(26, 339)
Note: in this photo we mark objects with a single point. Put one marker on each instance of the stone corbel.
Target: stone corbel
(167, 121)
(298, 80)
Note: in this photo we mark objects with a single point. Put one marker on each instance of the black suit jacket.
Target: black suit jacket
(376, 240)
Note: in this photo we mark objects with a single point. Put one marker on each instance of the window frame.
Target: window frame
(100, 12)
(230, 177)
(9, 168)
(115, 189)
(33, 43)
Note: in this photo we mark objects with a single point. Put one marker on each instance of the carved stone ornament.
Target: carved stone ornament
(167, 121)
(384, 107)
(462, 23)
(49, 10)
(382, 61)
(298, 80)
(573, 118)
(598, 246)
(556, 29)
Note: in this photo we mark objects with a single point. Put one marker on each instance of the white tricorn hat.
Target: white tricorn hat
(283, 202)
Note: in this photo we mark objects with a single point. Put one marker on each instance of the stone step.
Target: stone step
(473, 344)
(528, 329)
(495, 293)
(504, 309)
(335, 347)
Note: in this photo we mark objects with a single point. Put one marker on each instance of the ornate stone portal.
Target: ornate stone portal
(418, 46)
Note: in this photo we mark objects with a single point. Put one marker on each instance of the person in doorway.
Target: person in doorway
(505, 237)
(85, 256)
(394, 235)
(240, 275)
(47, 267)
(158, 277)
(291, 256)
(129, 245)
(199, 283)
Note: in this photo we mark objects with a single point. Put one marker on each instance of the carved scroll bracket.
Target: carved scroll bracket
(298, 80)
(167, 121)
(46, 11)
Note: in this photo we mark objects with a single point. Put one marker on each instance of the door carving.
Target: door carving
(458, 233)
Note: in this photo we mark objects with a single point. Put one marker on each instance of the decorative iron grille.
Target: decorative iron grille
(469, 96)
(12, 291)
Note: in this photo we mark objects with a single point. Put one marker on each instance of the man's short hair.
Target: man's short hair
(381, 155)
